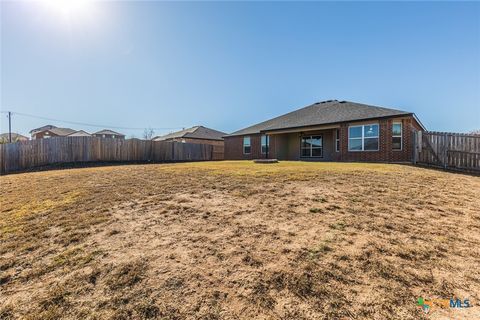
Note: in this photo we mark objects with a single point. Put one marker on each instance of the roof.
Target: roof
(59, 131)
(14, 136)
(106, 131)
(46, 127)
(197, 132)
(321, 113)
(80, 133)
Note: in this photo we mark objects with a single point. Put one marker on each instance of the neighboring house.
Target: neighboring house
(50, 133)
(329, 131)
(79, 133)
(197, 134)
(5, 137)
(108, 134)
(36, 130)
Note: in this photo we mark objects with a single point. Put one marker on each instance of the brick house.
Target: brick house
(329, 131)
(33, 132)
(50, 133)
(197, 134)
(108, 134)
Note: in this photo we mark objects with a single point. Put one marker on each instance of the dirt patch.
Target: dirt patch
(229, 240)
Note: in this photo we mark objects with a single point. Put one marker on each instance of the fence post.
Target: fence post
(445, 147)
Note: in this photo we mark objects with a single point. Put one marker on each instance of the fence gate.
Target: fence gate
(449, 150)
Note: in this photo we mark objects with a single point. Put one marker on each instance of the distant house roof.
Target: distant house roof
(322, 113)
(59, 131)
(80, 133)
(197, 132)
(15, 136)
(46, 127)
(106, 131)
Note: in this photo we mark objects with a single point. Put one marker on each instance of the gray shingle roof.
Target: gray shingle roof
(47, 127)
(61, 131)
(106, 131)
(197, 132)
(80, 133)
(322, 113)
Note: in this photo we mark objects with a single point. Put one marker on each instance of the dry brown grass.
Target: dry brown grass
(231, 240)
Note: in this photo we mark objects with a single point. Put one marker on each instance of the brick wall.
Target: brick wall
(234, 148)
(385, 152)
(234, 145)
(43, 134)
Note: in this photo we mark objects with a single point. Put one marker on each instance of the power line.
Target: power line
(84, 123)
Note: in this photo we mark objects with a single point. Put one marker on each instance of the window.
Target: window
(311, 146)
(363, 138)
(113, 136)
(246, 145)
(397, 136)
(337, 140)
(265, 143)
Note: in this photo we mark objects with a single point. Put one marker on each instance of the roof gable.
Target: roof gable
(80, 133)
(59, 131)
(320, 113)
(107, 131)
(43, 128)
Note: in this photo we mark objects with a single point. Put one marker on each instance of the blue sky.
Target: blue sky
(229, 65)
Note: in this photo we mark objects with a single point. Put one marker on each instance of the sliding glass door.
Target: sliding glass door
(311, 147)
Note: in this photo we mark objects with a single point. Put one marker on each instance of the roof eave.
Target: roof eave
(324, 124)
(419, 122)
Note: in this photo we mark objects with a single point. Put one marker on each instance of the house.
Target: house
(50, 133)
(197, 134)
(79, 133)
(36, 130)
(5, 137)
(329, 131)
(108, 134)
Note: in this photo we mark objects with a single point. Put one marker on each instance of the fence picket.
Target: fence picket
(24, 155)
(450, 150)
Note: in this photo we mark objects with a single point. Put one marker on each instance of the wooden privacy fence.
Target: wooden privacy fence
(449, 150)
(218, 152)
(42, 152)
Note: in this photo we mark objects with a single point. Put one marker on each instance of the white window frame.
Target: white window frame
(398, 136)
(249, 144)
(337, 140)
(363, 137)
(266, 145)
(311, 148)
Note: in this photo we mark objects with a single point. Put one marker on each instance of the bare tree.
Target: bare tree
(148, 134)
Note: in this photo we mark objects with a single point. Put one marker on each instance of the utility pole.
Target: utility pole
(9, 127)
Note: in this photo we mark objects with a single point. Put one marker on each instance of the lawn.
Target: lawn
(237, 240)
